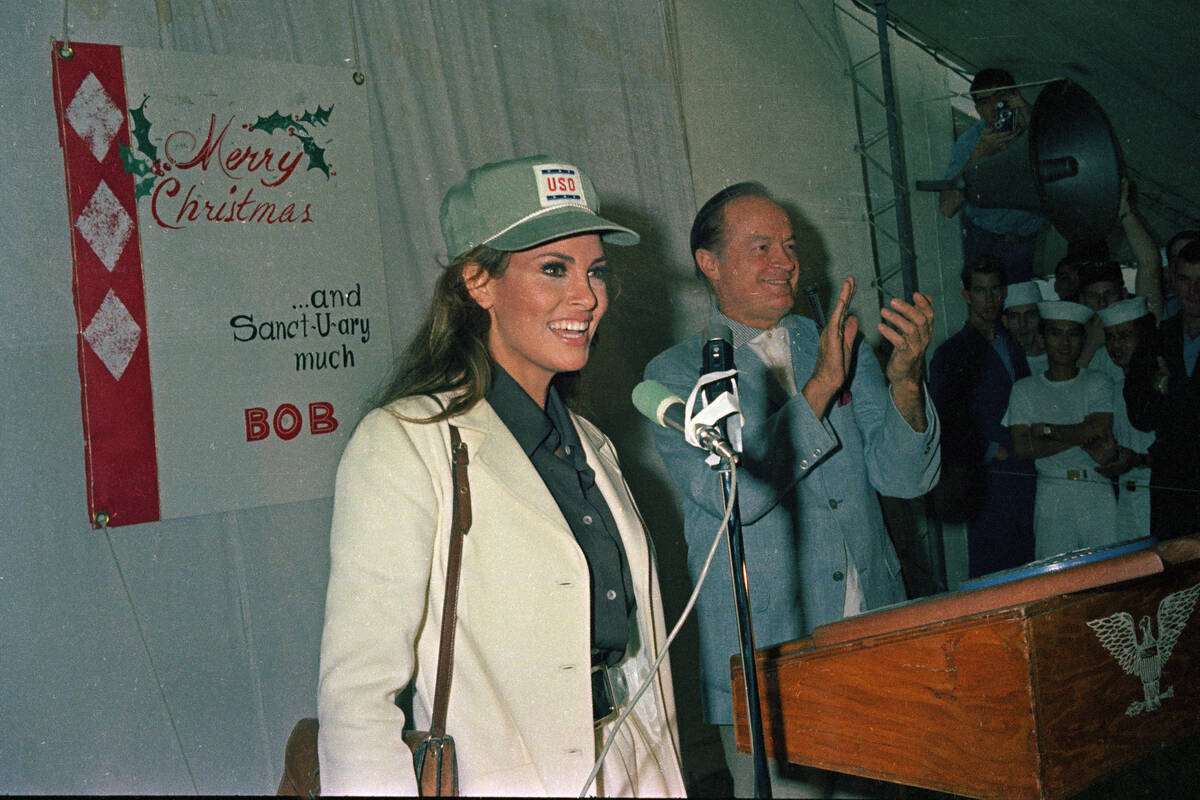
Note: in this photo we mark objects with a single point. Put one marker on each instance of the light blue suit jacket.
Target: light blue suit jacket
(807, 496)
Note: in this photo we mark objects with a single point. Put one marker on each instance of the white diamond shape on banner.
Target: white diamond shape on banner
(94, 116)
(113, 334)
(105, 225)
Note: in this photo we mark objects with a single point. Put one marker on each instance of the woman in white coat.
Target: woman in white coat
(559, 613)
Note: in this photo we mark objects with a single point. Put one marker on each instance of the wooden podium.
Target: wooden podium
(1000, 692)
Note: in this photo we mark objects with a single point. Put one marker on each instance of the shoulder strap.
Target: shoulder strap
(460, 524)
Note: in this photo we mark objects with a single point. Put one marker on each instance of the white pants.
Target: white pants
(1133, 505)
(1071, 514)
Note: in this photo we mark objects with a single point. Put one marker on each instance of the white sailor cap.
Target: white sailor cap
(1123, 311)
(1065, 310)
(1023, 293)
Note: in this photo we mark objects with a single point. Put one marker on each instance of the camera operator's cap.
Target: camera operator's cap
(517, 204)
(1123, 311)
(1065, 310)
(1022, 294)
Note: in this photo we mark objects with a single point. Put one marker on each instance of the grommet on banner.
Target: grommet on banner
(64, 49)
(101, 519)
(358, 76)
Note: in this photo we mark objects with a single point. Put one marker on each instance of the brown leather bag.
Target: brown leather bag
(433, 751)
(301, 775)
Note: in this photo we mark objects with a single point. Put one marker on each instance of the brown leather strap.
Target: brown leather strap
(460, 524)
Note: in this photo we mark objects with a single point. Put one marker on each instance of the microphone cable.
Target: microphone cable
(722, 530)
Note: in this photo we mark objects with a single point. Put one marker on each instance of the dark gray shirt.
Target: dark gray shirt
(552, 444)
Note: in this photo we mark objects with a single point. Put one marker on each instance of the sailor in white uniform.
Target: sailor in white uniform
(1021, 319)
(1126, 323)
(1063, 420)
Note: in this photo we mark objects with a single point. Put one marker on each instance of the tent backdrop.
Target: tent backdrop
(172, 657)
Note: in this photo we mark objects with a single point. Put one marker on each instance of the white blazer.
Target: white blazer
(520, 707)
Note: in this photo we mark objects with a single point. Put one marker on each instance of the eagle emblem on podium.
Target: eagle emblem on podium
(1145, 655)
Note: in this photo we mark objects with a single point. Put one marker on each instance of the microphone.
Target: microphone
(717, 357)
(814, 304)
(659, 404)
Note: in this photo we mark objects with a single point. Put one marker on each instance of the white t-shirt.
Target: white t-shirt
(1102, 362)
(1038, 364)
(1037, 399)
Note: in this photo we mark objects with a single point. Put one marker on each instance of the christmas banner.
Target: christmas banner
(228, 279)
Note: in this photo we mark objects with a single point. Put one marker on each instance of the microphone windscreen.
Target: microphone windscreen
(653, 399)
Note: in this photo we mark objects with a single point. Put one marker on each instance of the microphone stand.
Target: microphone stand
(718, 355)
(741, 599)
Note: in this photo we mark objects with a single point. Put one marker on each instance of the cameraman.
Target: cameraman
(1007, 235)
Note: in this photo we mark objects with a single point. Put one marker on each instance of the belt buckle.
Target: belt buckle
(604, 704)
(1076, 474)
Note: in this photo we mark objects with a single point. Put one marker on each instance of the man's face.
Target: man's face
(1120, 341)
(986, 103)
(1098, 295)
(1066, 281)
(1064, 341)
(1187, 288)
(985, 298)
(1022, 323)
(755, 271)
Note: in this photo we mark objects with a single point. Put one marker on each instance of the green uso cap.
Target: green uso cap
(518, 204)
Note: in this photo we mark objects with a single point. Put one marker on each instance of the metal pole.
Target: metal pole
(741, 599)
(904, 233)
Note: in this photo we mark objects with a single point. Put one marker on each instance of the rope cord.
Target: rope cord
(153, 669)
(358, 74)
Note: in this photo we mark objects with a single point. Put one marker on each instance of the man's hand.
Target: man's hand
(1118, 466)
(909, 327)
(991, 142)
(834, 352)
(1024, 112)
(1103, 451)
(1162, 377)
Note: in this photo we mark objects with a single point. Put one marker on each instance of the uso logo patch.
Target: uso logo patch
(559, 185)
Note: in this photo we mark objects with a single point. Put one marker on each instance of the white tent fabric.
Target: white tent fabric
(192, 682)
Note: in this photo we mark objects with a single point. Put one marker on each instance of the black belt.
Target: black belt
(608, 693)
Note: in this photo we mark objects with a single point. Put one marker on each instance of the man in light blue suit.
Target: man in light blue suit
(825, 429)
